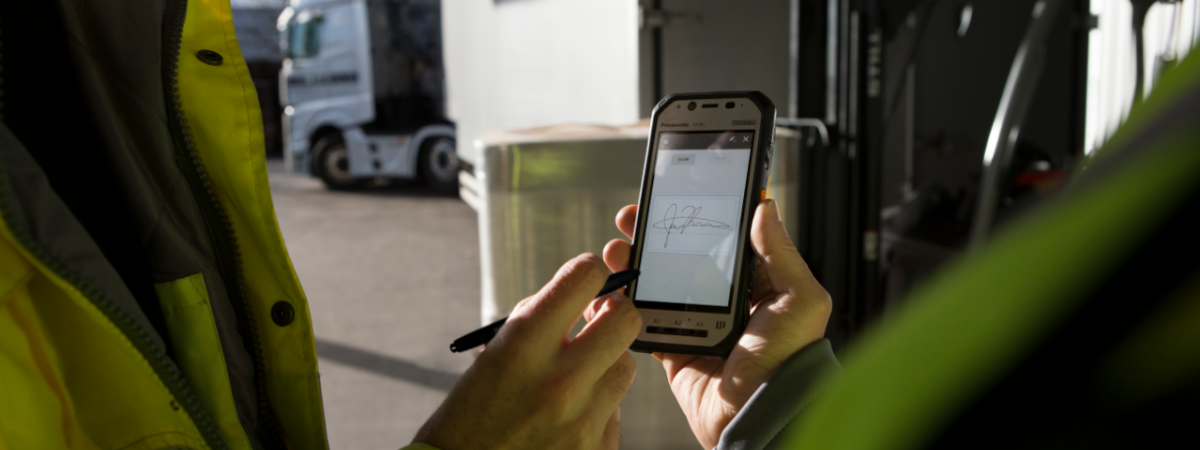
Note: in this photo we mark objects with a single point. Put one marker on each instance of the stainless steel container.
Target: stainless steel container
(545, 195)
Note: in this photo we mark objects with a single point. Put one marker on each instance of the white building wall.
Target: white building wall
(528, 63)
(1171, 31)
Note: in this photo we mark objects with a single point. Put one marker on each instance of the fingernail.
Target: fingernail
(773, 209)
(615, 299)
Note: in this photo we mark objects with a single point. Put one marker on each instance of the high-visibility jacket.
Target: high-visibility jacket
(1077, 326)
(131, 149)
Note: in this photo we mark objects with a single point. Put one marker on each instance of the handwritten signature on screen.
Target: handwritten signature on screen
(679, 220)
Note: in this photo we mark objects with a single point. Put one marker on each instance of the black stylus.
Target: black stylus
(484, 335)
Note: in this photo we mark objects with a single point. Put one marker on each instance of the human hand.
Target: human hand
(535, 387)
(788, 311)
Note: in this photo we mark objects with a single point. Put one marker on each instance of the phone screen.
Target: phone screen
(692, 227)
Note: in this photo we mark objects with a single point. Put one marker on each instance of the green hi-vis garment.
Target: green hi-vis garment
(82, 366)
(1078, 326)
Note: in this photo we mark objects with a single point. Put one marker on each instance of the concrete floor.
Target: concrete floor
(392, 276)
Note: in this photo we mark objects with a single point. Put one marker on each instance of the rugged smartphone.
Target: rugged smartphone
(706, 171)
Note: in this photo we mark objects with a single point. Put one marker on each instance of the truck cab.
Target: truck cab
(363, 89)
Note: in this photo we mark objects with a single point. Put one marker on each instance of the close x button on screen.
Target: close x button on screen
(677, 331)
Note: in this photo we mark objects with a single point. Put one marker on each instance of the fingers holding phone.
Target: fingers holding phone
(534, 388)
(789, 311)
(791, 307)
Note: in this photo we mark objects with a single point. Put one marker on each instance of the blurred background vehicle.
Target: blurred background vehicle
(917, 128)
(259, 41)
(362, 88)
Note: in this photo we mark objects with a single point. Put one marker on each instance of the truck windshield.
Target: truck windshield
(304, 36)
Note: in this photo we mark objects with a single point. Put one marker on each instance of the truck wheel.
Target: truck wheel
(333, 164)
(438, 164)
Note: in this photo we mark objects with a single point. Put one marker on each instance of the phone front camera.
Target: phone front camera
(692, 106)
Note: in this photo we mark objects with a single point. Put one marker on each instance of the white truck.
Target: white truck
(363, 89)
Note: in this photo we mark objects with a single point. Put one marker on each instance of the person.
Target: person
(1076, 326)
(147, 300)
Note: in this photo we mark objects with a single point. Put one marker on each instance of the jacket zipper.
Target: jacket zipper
(155, 355)
(229, 258)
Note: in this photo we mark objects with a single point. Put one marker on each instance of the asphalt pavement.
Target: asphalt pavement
(392, 276)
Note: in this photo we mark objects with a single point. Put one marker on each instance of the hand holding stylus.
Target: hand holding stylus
(485, 334)
(789, 310)
(533, 386)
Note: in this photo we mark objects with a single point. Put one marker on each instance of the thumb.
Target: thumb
(785, 267)
(798, 312)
